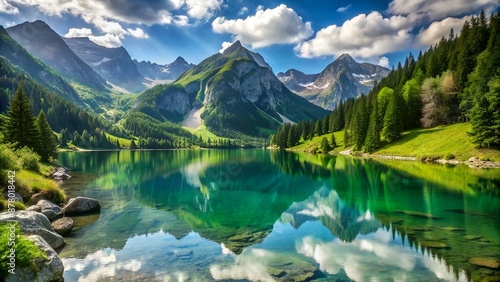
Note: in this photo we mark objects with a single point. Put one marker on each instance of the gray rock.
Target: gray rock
(49, 209)
(35, 208)
(34, 223)
(17, 197)
(49, 269)
(81, 205)
(63, 225)
(60, 174)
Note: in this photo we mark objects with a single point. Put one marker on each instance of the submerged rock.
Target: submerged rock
(34, 223)
(473, 237)
(433, 245)
(418, 214)
(453, 229)
(81, 205)
(485, 262)
(63, 225)
(49, 269)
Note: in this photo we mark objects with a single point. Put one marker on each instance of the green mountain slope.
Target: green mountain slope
(239, 92)
(40, 72)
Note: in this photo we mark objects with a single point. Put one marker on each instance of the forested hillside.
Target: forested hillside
(457, 80)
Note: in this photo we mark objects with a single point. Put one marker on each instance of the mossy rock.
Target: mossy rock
(485, 262)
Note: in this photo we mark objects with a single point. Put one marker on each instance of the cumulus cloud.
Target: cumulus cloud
(225, 45)
(6, 7)
(280, 25)
(107, 40)
(439, 9)
(109, 15)
(437, 30)
(364, 36)
(137, 33)
(383, 61)
(203, 9)
(79, 32)
(343, 9)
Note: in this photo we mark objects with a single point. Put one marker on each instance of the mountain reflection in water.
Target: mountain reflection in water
(264, 216)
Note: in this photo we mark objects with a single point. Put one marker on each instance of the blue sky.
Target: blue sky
(306, 35)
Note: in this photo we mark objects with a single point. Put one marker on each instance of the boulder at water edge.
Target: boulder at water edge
(81, 205)
(34, 223)
(63, 225)
(60, 174)
(49, 269)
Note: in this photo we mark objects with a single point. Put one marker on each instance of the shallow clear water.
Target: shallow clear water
(264, 215)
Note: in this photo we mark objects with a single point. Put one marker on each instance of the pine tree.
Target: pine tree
(325, 146)
(20, 127)
(47, 142)
(133, 146)
(372, 140)
(359, 124)
(485, 116)
(333, 142)
(118, 144)
(393, 126)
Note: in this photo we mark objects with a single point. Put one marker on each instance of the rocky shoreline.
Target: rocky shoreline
(45, 224)
(472, 162)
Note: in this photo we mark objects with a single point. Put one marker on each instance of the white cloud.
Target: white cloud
(343, 9)
(437, 30)
(137, 33)
(243, 11)
(364, 36)
(79, 32)
(439, 9)
(280, 25)
(6, 7)
(181, 20)
(383, 61)
(203, 9)
(107, 40)
(225, 45)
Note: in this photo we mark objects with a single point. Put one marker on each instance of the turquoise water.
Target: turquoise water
(257, 215)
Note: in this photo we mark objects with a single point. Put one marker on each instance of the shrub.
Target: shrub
(449, 156)
(26, 250)
(28, 158)
(4, 205)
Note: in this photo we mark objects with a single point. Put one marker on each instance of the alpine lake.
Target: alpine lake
(265, 215)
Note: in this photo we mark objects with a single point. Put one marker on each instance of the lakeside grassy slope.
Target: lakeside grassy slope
(436, 142)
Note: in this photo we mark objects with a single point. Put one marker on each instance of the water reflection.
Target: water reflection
(276, 216)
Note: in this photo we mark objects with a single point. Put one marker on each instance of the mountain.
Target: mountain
(113, 64)
(43, 42)
(344, 78)
(39, 71)
(234, 93)
(296, 80)
(163, 73)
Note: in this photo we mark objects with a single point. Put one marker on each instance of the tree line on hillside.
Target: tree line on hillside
(456, 80)
(23, 130)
